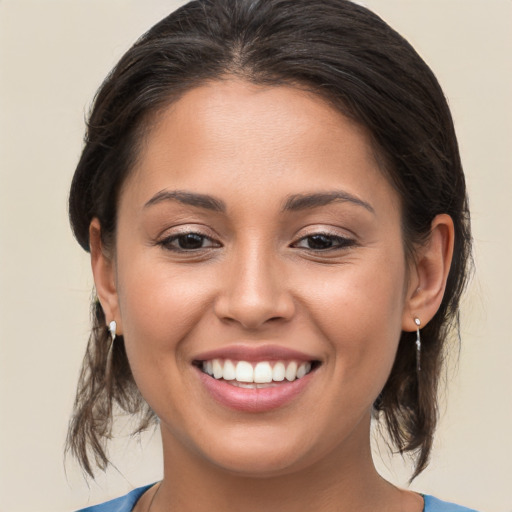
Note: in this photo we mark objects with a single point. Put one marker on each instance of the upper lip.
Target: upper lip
(255, 353)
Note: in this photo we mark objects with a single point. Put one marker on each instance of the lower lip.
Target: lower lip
(254, 400)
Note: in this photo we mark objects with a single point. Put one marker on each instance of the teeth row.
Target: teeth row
(262, 372)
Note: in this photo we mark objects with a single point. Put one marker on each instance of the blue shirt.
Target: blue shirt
(127, 502)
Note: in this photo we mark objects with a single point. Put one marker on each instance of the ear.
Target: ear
(103, 270)
(429, 273)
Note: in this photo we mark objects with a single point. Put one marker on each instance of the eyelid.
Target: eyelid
(172, 234)
(326, 228)
(343, 241)
(167, 242)
(185, 229)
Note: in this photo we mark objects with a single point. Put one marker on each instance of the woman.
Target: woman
(273, 200)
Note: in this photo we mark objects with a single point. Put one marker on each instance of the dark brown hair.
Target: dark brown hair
(342, 52)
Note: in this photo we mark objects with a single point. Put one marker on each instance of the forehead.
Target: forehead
(245, 111)
(236, 134)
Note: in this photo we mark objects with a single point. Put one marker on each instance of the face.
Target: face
(259, 278)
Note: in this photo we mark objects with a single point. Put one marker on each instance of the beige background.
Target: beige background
(53, 56)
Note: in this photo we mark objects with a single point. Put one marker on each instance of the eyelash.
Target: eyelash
(337, 242)
(167, 242)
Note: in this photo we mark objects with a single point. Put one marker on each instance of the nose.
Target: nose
(255, 291)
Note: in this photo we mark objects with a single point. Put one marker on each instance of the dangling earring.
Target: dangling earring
(418, 344)
(112, 326)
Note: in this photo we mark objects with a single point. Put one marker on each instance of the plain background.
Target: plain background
(53, 56)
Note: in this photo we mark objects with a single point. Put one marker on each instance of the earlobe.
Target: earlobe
(431, 268)
(104, 275)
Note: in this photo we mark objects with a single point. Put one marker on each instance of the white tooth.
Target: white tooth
(308, 367)
(217, 369)
(278, 372)
(301, 371)
(263, 372)
(244, 372)
(208, 367)
(291, 371)
(229, 370)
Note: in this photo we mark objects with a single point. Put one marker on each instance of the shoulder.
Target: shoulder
(435, 505)
(123, 504)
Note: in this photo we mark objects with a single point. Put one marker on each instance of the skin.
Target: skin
(257, 280)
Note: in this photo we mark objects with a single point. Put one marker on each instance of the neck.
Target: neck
(342, 481)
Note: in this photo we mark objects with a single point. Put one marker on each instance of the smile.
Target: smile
(255, 374)
(256, 380)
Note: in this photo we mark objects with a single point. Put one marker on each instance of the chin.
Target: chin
(264, 452)
(257, 464)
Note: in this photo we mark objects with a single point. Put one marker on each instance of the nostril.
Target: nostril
(252, 315)
(254, 293)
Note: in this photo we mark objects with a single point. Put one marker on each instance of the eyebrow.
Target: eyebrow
(305, 201)
(294, 203)
(190, 198)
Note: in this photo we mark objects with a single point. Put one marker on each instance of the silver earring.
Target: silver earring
(418, 344)
(112, 326)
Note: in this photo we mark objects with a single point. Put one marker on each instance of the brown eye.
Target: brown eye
(318, 242)
(188, 242)
(323, 242)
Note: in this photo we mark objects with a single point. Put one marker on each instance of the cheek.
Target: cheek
(159, 306)
(359, 311)
(159, 309)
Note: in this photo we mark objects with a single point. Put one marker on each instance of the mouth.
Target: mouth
(256, 375)
(257, 378)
